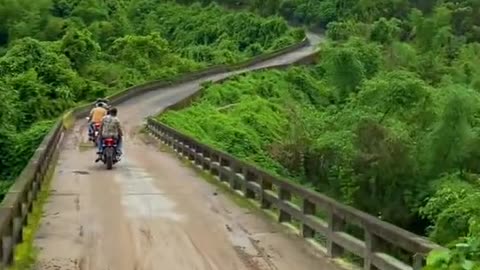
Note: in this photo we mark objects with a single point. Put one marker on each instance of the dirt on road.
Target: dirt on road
(152, 212)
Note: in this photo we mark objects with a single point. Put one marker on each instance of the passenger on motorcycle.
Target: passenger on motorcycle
(106, 102)
(110, 128)
(96, 116)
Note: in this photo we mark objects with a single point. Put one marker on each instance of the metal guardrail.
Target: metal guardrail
(18, 202)
(296, 204)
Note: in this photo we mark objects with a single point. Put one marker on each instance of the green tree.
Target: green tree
(80, 47)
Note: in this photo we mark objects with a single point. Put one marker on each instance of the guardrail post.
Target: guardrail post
(170, 140)
(418, 261)
(176, 144)
(160, 134)
(198, 156)
(17, 229)
(7, 250)
(35, 189)
(308, 209)
(215, 159)
(42, 171)
(191, 151)
(154, 128)
(266, 184)
(24, 210)
(166, 138)
(224, 163)
(7, 246)
(335, 224)
(183, 150)
(232, 177)
(284, 195)
(371, 243)
(206, 163)
(249, 177)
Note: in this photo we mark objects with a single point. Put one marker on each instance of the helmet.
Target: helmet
(101, 102)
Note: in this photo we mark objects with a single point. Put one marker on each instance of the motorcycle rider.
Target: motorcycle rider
(103, 101)
(107, 104)
(110, 128)
(96, 116)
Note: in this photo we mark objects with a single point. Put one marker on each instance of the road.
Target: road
(153, 212)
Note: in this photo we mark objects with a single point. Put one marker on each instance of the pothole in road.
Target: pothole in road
(81, 172)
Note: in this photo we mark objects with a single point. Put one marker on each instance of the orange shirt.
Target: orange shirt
(97, 114)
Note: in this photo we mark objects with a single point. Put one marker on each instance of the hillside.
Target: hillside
(387, 121)
(57, 53)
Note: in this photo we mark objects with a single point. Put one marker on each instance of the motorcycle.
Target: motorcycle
(109, 154)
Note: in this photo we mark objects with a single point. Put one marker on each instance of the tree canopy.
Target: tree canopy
(57, 53)
(387, 121)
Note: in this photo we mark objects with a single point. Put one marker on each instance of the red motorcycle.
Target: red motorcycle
(109, 154)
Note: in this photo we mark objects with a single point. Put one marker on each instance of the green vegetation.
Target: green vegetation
(462, 16)
(387, 122)
(57, 53)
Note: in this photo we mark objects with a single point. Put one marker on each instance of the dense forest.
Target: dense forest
(388, 121)
(57, 53)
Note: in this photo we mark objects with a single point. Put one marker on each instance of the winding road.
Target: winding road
(153, 212)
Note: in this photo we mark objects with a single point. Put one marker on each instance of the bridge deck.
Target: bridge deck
(152, 212)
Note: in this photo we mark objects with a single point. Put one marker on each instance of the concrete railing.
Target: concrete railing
(18, 202)
(318, 215)
(375, 244)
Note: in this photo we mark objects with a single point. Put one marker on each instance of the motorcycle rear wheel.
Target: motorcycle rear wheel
(109, 158)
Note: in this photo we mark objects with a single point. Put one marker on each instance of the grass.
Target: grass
(26, 253)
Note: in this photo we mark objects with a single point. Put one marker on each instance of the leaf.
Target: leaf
(438, 257)
(468, 265)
